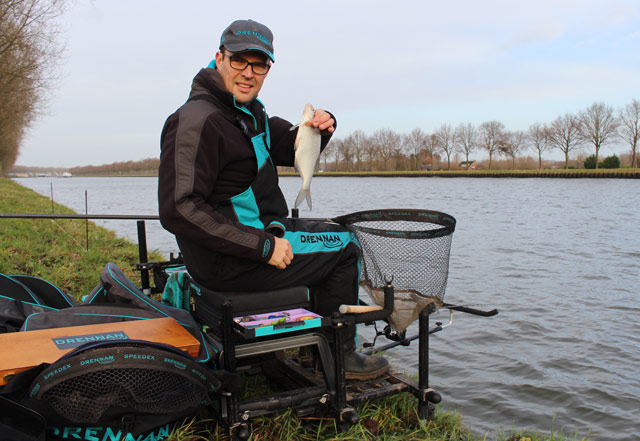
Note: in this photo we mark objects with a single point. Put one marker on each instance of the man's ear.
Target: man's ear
(218, 58)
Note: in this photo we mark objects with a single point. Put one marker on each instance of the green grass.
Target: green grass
(386, 419)
(55, 251)
(391, 418)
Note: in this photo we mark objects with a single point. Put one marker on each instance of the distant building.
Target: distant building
(471, 165)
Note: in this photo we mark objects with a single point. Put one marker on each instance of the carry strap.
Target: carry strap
(226, 111)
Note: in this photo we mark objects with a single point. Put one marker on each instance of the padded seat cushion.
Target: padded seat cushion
(254, 302)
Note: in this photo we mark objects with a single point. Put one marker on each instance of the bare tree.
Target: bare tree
(327, 153)
(371, 149)
(28, 53)
(597, 125)
(399, 153)
(345, 149)
(538, 138)
(446, 138)
(415, 143)
(564, 135)
(491, 134)
(359, 141)
(630, 128)
(334, 150)
(467, 137)
(386, 141)
(513, 143)
(430, 148)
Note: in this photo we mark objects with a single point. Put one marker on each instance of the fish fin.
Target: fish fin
(294, 127)
(301, 197)
(309, 199)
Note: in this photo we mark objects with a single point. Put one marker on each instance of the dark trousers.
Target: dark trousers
(325, 259)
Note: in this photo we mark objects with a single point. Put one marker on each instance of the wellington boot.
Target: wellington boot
(358, 366)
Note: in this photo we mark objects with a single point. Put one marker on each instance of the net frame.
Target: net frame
(142, 377)
(409, 248)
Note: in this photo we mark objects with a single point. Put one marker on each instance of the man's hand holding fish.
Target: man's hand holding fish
(323, 121)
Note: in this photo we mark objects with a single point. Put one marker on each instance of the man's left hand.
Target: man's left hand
(323, 121)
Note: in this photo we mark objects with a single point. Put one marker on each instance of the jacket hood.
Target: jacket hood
(208, 80)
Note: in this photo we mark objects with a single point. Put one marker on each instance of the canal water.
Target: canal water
(559, 258)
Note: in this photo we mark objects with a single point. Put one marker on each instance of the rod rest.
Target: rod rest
(384, 313)
(471, 310)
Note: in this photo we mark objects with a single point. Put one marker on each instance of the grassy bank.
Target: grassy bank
(55, 250)
(385, 419)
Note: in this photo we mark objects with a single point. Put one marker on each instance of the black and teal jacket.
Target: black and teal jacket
(209, 161)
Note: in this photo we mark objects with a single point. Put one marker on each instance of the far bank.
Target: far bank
(623, 173)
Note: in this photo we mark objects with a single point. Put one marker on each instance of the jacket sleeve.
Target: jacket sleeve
(283, 140)
(190, 143)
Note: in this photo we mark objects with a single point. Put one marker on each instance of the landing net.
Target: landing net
(409, 248)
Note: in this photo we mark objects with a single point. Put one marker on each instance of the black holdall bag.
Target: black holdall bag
(122, 390)
(116, 289)
(21, 296)
(115, 389)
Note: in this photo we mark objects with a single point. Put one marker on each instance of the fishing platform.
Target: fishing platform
(274, 334)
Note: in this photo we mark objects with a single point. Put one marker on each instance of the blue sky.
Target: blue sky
(374, 64)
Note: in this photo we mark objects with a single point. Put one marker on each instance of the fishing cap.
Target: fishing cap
(248, 35)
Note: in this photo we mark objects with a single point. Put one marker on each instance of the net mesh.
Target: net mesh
(410, 249)
(140, 379)
(84, 398)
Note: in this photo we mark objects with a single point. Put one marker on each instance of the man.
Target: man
(218, 190)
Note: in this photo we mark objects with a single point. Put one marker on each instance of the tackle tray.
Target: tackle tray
(278, 322)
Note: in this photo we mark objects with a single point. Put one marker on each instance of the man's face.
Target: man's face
(243, 84)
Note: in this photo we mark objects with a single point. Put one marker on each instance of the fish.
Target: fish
(307, 148)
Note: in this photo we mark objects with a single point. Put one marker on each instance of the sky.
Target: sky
(394, 65)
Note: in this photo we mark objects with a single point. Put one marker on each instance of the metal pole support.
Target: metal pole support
(347, 414)
(144, 258)
(426, 395)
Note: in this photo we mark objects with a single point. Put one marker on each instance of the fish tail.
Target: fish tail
(304, 193)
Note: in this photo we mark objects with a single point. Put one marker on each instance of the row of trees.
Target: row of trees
(144, 166)
(28, 52)
(595, 126)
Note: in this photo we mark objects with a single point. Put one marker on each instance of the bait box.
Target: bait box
(277, 322)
